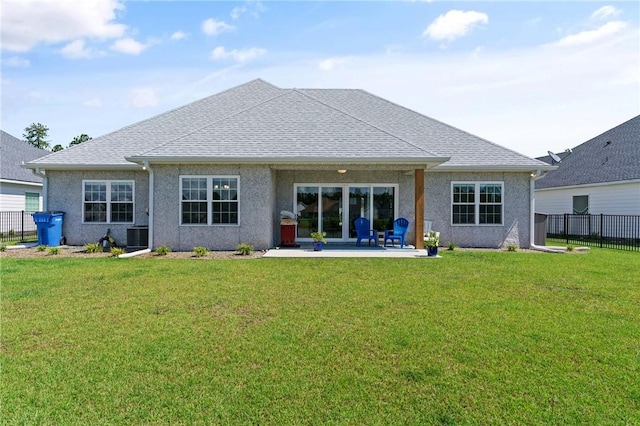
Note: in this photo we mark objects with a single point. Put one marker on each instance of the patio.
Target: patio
(348, 250)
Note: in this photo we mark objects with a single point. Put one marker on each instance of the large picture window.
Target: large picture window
(209, 200)
(477, 203)
(108, 201)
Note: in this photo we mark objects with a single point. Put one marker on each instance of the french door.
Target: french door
(333, 208)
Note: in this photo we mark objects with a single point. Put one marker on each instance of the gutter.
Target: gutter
(147, 167)
(45, 187)
(537, 174)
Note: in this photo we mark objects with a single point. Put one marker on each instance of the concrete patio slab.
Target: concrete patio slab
(348, 251)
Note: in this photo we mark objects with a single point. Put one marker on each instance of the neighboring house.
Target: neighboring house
(218, 172)
(600, 176)
(20, 189)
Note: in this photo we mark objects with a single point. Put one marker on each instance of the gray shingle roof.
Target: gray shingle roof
(14, 152)
(258, 121)
(612, 156)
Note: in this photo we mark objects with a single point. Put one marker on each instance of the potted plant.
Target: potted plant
(432, 241)
(318, 240)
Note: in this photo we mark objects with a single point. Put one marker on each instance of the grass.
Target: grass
(474, 338)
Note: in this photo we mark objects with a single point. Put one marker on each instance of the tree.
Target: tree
(57, 148)
(36, 135)
(79, 139)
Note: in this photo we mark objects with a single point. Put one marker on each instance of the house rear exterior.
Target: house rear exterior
(219, 171)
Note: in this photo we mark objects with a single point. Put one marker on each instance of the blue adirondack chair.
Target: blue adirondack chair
(400, 226)
(364, 231)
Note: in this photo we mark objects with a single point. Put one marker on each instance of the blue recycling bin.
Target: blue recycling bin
(49, 225)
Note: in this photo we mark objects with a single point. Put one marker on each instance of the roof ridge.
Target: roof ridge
(364, 121)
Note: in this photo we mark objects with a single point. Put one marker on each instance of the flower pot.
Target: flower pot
(318, 245)
(432, 251)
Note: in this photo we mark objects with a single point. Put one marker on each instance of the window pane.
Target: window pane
(95, 191)
(464, 214)
(122, 191)
(307, 205)
(122, 212)
(95, 212)
(31, 201)
(491, 214)
(225, 212)
(383, 207)
(194, 213)
(194, 189)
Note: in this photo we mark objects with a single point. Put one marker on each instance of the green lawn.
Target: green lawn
(473, 338)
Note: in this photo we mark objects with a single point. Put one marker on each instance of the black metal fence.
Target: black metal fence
(620, 232)
(17, 226)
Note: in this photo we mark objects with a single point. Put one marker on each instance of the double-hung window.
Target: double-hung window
(477, 203)
(108, 201)
(209, 200)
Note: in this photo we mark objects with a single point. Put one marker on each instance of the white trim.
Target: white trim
(315, 160)
(477, 203)
(493, 168)
(208, 200)
(20, 182)
(108, 201)
(591, 185)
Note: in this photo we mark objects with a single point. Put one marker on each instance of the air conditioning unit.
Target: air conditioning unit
(137, 238)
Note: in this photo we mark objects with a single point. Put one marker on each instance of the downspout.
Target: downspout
(532, 208)
(151, 186)
(45, 187)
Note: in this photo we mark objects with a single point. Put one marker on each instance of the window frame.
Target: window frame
(477, 202)
(108, 200)
(209, 200)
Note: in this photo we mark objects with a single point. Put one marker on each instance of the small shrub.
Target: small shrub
(12, 232)
(245, 249)
(93, 248)
(570, 247)
(54, 251)
(3, 247)
(163, 250)
(200, 251)
(116, 251)
(41, 247)
(1, 234)
(512, 247)
(452, 246)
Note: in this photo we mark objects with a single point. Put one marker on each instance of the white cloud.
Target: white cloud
(26, 23)
(143, 97)
(592, 36)
(93, 103)
(78, 50)
(240, 56)
(17, 62)
(179, 35)
(454, 24)
(605, 12)
(128, 46)
(212, 27)
(237, 12)
(331, 64)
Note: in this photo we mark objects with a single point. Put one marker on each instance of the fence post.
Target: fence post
(566, 227)
(22, 226)
(601, 227)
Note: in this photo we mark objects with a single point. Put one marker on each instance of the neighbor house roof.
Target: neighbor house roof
(14, 152)
(610, 157)
(258, 122)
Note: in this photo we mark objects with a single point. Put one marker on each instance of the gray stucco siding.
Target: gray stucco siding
(255, 209)
(64, 192)
(516, 210)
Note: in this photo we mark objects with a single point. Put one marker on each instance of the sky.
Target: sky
(531, 76)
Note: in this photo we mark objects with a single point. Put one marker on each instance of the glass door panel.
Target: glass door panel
(307, 208)
(383, 207)
(331, 211)
(359, 206)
